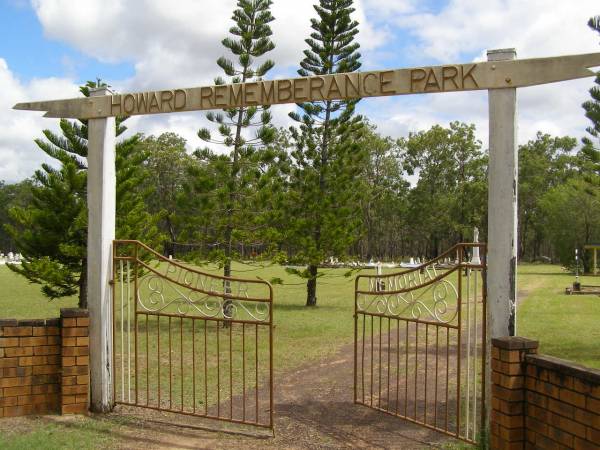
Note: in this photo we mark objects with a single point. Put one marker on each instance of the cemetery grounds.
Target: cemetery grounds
(313, 369)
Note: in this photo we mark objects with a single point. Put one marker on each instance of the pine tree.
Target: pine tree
(324, 203)
(51, 232)
(590, 151)
(231, 185)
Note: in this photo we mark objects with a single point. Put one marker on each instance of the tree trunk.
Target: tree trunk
(83, 303)
(311, 286)
(227, 305)
(171, 230)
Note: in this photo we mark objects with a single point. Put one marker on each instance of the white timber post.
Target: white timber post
(502, 215)
(101, 187)
(502, 206)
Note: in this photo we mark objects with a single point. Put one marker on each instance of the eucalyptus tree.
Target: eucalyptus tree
(572, 219)
(167, 165)
(385, 203)
(11, 195)
(324, 208)
(231, 182)
(450, 196)
(544, 162)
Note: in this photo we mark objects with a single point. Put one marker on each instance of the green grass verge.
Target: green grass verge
(565, 325)
(81, 433)
(20, 299)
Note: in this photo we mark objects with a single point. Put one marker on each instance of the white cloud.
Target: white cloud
(19, 156)
(177, 45)
(464, 28)
(534, 28)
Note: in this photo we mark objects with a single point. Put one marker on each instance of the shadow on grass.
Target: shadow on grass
(296, 307)
(140, 432)
(550, 274)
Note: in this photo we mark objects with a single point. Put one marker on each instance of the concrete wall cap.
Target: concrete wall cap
(74, 312)
(515, 343)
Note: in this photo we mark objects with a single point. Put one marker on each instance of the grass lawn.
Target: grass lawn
(56, 433)
(20, 299)
(566, 327)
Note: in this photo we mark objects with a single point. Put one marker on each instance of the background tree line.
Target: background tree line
(330, 186)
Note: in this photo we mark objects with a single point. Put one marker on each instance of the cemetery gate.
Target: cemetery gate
(190, 342)
(419, 347)
(376, 302)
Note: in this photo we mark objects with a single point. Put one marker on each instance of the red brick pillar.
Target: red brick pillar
(75, 361)
(508, 391)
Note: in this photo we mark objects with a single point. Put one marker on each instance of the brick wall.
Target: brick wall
(44, 365)
(74, 361)
(542, 402)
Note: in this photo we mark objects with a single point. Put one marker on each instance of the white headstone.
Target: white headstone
(476, 259)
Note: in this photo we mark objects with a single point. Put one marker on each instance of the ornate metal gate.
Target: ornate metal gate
(419, 348)
(190, 342)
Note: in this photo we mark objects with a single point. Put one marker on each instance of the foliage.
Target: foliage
(571, 208)
(166, 166)
(544, 163)
(323, 209)
(234, 188)
(17, 194)
(591, 150)
(51, 230)
(384, 202)
(450, 196)
(572, 219)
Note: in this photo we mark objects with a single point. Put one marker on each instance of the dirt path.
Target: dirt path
(523, 293)
(313, 410)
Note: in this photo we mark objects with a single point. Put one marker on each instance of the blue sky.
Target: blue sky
(35, 55)
(49, 47)
(32, 55)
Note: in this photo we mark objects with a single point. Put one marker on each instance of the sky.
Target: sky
(50, 47)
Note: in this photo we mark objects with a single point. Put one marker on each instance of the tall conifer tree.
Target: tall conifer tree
(324, 204)
(591, 151)
(230, 184)
(51, 232)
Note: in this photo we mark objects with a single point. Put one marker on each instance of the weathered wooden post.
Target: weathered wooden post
(101, 186)
(502, 214)
(502, 205)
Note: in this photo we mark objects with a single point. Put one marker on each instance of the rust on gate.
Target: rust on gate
(190, 342)
(419, 342)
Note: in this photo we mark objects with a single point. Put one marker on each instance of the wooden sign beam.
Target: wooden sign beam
(420, 80)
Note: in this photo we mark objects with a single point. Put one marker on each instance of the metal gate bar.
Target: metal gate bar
(190, 342)
(419, 347)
